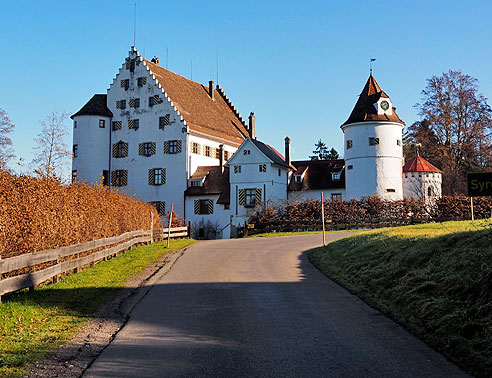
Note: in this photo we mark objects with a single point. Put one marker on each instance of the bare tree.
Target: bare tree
(6, 150)
(51, 152)
(458, 121)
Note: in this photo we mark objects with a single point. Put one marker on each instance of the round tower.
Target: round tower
(373, 146)
(91, 141)
(422, 180)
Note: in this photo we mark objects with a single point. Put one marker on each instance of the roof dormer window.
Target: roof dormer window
(195, 183)
(298, 178)
(384, 106)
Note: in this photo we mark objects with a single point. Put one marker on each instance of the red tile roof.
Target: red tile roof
(365, 111)
(419, 164)
(271, 153)
(217, 118)
(317, 175)
(95, 106)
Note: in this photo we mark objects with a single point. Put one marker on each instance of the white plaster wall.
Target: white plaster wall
(375, 168)
(93, 144)
(220, 218)
(148, 131)
(314, 194)
(273, 186)
(196, 160)
(416, 185)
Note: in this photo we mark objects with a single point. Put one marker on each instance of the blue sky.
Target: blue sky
(299, 65)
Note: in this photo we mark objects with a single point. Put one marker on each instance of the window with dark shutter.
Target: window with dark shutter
(203, 206)
(160, 206)
(116, 125)
(164, 121)
(146, 149)
(157, 176)
(125, 84)
(119, 178)
(120, 149)
(133, 124)
(141, 81)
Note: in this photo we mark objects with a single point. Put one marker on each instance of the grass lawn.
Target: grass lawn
(434, 279)
(32, 324)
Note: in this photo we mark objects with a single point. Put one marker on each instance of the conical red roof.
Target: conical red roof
(364, 109)
(419, 164)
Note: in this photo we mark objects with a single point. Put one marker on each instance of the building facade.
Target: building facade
(170, 140)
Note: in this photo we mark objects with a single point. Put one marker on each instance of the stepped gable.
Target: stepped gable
(216, 182)
(97, 105)
(216, 118)
(419, 164)
(317, 175)
(365, 111)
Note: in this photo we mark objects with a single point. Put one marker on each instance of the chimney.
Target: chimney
(287, 150)
(211, 89)
(251, 128)
(221, 158)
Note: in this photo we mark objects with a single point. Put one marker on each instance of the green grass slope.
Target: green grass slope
(434, 279)
(33, 324)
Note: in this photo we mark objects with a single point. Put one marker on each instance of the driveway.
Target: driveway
(256, 307)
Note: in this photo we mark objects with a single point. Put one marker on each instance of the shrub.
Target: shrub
(39, 214)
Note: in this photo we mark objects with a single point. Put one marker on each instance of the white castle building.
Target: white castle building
(170, 140)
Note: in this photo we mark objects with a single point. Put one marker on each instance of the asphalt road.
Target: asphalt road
(257, 308)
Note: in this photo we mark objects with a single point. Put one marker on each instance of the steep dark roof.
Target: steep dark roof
(419, 164)
(317, 175)
(271, 153)
(97, 105)
(217, 118)
(216, 182)
(364, 110)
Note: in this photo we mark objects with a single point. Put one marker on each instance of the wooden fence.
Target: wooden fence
(50, 264)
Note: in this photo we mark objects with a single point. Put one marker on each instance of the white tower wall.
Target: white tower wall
(92, 144)
(422, 185)
(373, 169)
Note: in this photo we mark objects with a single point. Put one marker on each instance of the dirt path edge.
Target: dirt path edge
(74, 357)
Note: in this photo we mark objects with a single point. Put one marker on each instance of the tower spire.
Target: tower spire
(371, 59)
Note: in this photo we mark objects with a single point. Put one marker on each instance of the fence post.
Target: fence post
(169, 226)
(151, 227)
(323, 218)
(190, 229)
(471, 205)
(55, 277)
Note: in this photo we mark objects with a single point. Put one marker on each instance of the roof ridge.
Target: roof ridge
(230, 104)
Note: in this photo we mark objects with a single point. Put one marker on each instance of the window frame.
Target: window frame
(173, 146)
(262, 168)
(350, 144)
(195, 148)
(103, 123)
(373, 141)
(75, 150)
(203, 207)
(249, 197)
(157, 176)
